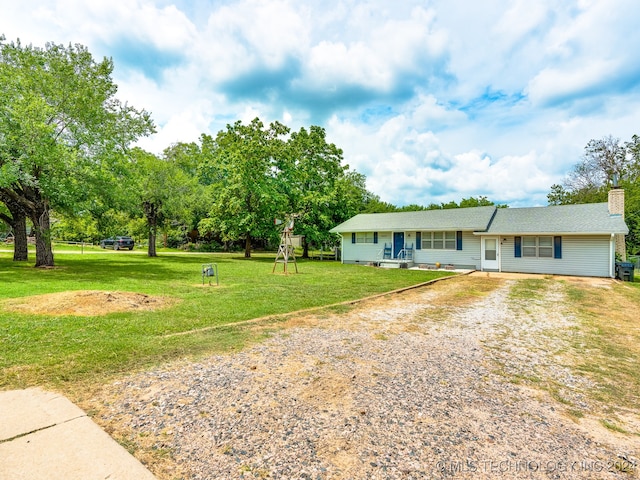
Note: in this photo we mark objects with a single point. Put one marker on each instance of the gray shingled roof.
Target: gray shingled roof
(473, 219)
(587, 218)
(591, 218)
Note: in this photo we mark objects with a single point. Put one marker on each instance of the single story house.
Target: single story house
(564, 240)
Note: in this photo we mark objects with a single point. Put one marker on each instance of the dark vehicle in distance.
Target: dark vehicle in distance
(118, 243)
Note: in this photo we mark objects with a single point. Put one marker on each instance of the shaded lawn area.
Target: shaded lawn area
(56, 349)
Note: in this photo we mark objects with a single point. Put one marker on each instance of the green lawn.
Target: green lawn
(46, 349)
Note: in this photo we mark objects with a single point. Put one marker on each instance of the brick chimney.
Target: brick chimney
(616, 207)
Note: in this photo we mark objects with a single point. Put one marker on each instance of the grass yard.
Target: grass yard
(603, 347)
(608, 351)
(55, 349)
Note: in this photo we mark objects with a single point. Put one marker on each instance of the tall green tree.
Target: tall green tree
(373, 204)
(162, 191)
(605, 162)
(189, 159)
(14, 216)
(480, 201)
(241, 164)
(59, 121)
(308, 176)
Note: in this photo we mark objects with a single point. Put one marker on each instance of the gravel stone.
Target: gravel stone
(386, 391)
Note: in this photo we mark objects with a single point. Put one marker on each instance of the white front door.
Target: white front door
(490, 253)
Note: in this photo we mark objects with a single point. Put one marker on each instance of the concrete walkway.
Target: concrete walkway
(43, 436)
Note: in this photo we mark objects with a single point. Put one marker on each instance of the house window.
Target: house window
(545, 247)
(529, 247)
(537, 247)
(439, 240)
(365, 237)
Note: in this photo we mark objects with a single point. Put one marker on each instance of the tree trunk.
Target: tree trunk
(18, 223)
(42, 229)
(151, 252)
(247, 246)
(20, 244)
(151, 212)
(305, 247)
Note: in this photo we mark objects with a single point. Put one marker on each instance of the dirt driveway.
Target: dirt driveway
(430, 383)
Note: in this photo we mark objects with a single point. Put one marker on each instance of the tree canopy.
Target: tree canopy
(60, 124)
(241, 163)
(160, 190)
(605, 163)
(256, 173)
(375, 205)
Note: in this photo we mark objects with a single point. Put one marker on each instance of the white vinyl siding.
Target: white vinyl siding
(364, 253)
(384, 237)
(588, 255)
(468, 257)
(359, 252)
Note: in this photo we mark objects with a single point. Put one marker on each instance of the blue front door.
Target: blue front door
(398, 243)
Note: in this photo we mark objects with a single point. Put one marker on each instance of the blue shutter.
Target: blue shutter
(518, 247)
(418, 240)
(557, 247)
(375, 237)
(353, 237)
(459, 240)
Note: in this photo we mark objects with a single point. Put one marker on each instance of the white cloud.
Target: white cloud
(569, 83)
(250, 34)
(377, 53)
(248, 114)
(434, 103)
(107, 21)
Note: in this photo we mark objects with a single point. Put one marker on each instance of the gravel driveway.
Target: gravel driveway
(416, 385)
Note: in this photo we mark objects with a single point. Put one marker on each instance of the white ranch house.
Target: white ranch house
(562, 240)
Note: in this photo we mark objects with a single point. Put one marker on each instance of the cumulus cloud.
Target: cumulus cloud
(580, 62)
(249, 35)
(433, 102)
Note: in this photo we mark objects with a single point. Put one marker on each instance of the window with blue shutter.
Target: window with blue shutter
(353, 237)
(375, 237)
(418, 240)
(557, 247)
(518, 247)
(459, 240)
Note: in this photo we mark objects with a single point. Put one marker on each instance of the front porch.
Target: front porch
(392, 255)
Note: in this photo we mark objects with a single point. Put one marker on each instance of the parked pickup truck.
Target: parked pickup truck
(118, 243)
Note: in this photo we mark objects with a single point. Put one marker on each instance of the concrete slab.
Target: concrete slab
(593, 281)
(24, 411)
(46, 436)
(509, 276)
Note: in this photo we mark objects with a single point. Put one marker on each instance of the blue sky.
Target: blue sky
(432, 100)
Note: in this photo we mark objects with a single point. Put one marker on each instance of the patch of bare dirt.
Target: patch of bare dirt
(85, 303)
